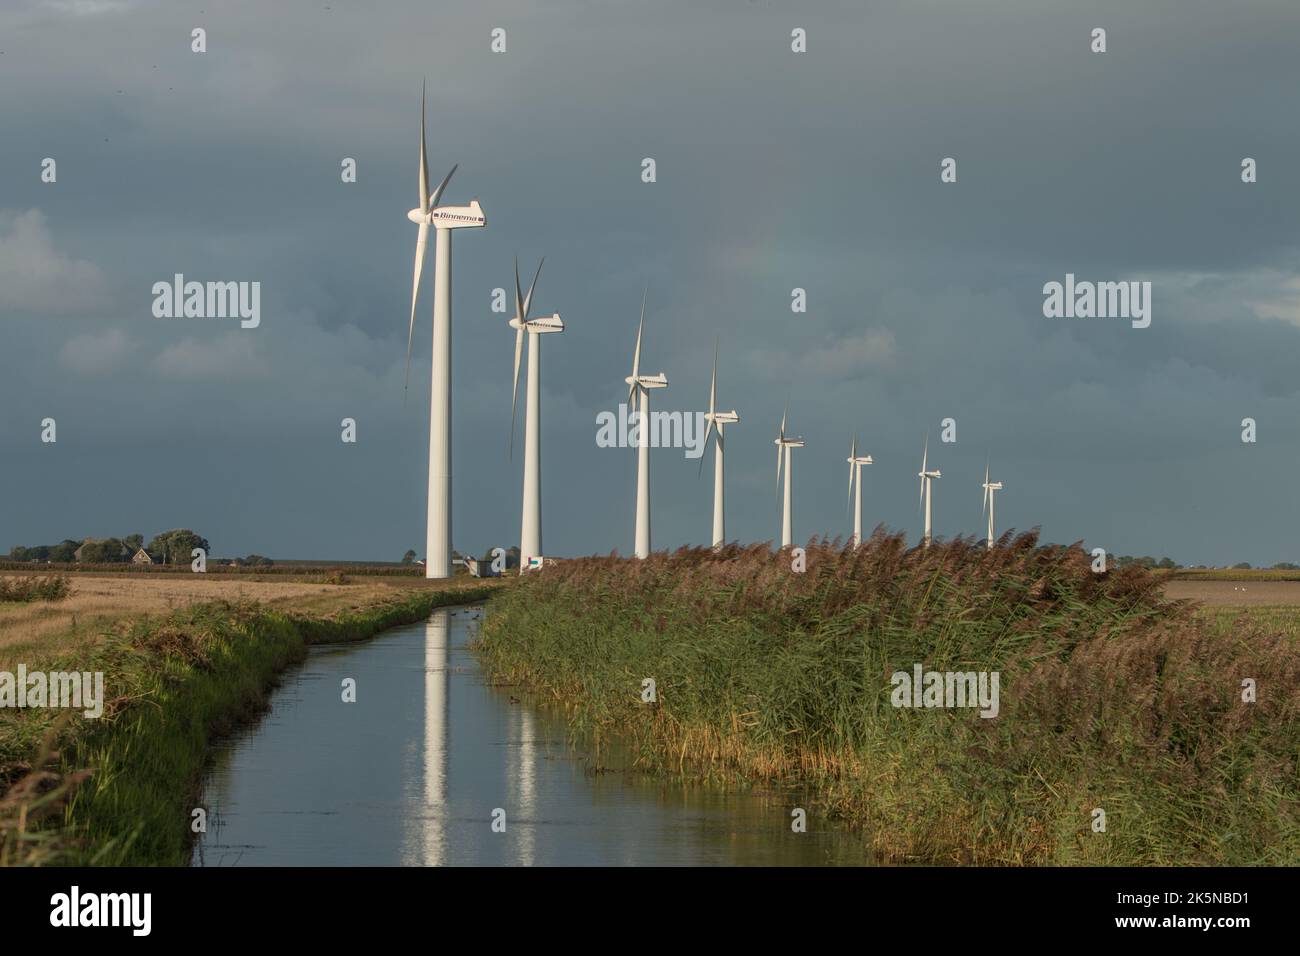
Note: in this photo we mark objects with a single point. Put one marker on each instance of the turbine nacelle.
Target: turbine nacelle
(545, 323)
(930, 474)
(722, 418)
(789, 442)
(994, 486)
(457, 217)
(648, 381)
(861, 460)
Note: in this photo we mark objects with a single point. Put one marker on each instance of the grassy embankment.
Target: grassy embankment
(1111, 697)
(121, 789)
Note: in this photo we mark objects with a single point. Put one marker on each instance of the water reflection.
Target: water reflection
(411, 773)
(428, 825)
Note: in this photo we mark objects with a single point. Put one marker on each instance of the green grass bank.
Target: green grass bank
(1111, 698)
(121, 789)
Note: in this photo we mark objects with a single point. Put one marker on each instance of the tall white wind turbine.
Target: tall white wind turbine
(926, 476)
(638, 396)
(783, 448)
(717, 419)
(530, 535)
(856, 462)
(443, 219)
(989, 488)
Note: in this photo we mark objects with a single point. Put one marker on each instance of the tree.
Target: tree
(64, 553)
(408, 558)
(108, 551)
(134, 542)
(175, 547)
(1244, 566)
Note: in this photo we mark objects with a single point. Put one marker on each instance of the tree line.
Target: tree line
(167, 547)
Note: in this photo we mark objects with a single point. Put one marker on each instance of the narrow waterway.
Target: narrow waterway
(417, 770)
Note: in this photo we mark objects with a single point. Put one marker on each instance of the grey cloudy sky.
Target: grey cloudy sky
(775, 170)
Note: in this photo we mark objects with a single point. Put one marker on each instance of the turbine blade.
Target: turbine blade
(514, 396)
(424, 166)
(779, 450)
(783, 414)
(437, 193)
(528, 299)
(519, 295)
(713, 384)
(708, 431)
(636, 356)
(848, 503)
(421, 240)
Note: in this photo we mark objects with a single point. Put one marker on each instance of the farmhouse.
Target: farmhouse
(141, 556)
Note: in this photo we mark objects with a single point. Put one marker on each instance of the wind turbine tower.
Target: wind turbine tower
(443, 219)
(717, 419)
(530, 534)
(856, 462)
(638, 397)
(989, 488)
(927, 477)
(783, 448)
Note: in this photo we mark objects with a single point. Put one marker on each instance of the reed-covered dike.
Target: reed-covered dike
(1111, 698)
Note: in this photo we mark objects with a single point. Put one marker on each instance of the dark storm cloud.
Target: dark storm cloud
(776, 171)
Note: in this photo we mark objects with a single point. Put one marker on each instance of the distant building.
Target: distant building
(141, 556)
(481, 569)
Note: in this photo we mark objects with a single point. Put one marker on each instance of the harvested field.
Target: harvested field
(42, 631)
(1242, 593)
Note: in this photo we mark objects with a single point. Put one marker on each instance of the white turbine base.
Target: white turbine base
(530, 535)
(437, 552)
(643, 476)
(719, 520)
(786, 518)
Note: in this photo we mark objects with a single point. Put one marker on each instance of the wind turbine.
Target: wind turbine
(783, 447)
(926, 477)
(437, 553)
(638, 388)
(856, 462)
(717, 419)
(530, 535)
(989, 488)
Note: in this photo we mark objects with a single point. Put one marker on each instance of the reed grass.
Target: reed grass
(1111, 697)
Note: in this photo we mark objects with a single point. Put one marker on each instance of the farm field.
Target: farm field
(1239, 593)
(47, 630)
